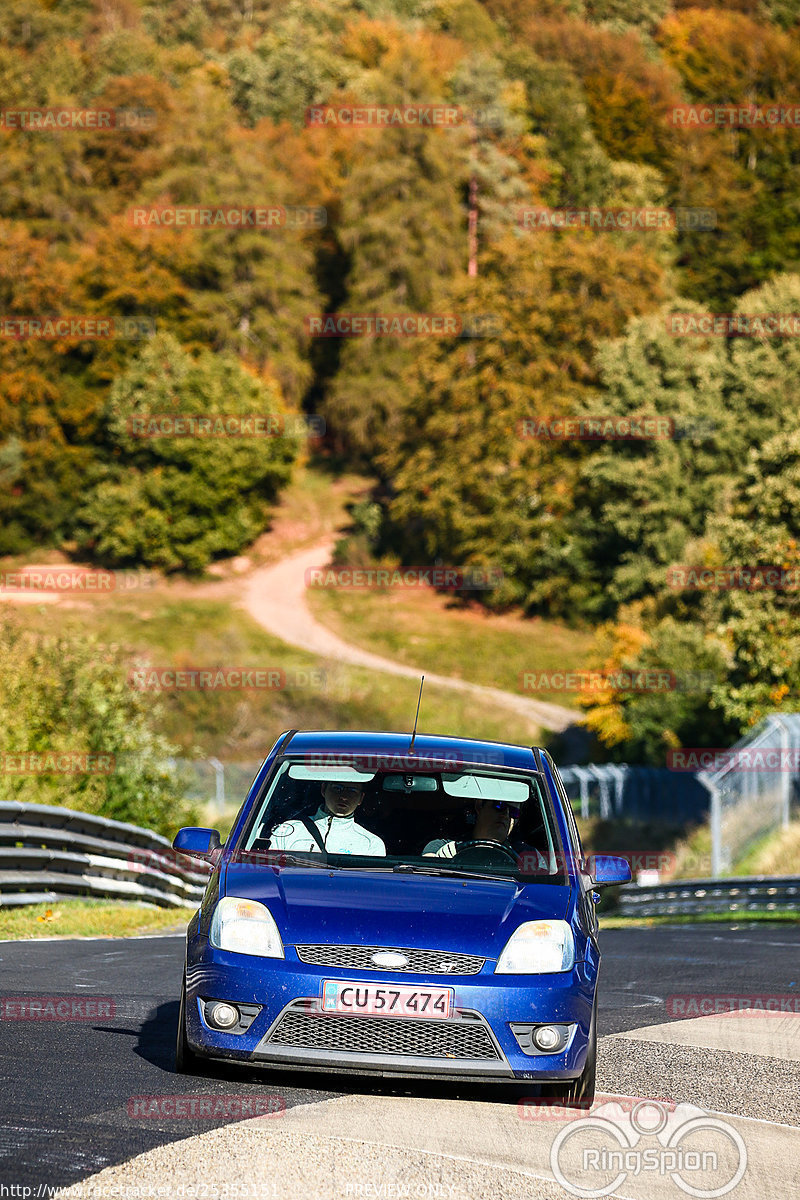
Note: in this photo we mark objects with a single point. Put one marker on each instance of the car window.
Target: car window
(566, 805)
(473, 820)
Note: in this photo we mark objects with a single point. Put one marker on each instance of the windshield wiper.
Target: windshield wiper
(457, 872)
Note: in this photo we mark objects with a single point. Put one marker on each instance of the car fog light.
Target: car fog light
(224, 1015)
(548, 1037)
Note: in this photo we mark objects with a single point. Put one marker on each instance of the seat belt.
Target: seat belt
(312, 829)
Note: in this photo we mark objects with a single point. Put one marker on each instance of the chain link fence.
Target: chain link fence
(754, 788)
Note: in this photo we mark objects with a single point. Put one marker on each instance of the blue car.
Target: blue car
(410, 908)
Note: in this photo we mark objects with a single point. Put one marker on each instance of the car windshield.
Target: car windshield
(463, 821)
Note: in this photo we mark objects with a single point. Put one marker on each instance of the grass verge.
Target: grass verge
(89, 918)
(611, 922)
(424, 629)
(167, 631)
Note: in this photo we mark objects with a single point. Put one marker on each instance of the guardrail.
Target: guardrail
(49, 853)
(689, 897)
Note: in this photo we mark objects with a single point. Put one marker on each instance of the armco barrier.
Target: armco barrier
(691, 897)
(49, 853)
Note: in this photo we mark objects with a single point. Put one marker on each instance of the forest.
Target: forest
(601, 411)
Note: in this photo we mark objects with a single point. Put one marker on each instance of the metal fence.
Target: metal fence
(751, 790)
(639, 793)
(49, 853)
(754, 790)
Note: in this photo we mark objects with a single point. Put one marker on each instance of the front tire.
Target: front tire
(186, 1061)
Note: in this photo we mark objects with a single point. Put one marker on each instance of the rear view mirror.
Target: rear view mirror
(198, 843)
(607, 869)
(410, 783)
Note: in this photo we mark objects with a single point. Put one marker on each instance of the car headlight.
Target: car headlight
(246, 927)
(538, 947)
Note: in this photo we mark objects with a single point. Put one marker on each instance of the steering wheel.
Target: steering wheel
(479, 859)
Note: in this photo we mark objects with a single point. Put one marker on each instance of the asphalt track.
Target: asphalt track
(68, 1085)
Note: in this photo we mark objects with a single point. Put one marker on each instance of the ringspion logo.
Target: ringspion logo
(701, 1154)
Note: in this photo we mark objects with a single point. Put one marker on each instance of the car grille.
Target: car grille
(423, 962)
(402, 1036)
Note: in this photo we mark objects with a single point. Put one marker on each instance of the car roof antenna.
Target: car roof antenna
(416, 718)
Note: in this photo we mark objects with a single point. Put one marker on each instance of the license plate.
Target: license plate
(386, 1000)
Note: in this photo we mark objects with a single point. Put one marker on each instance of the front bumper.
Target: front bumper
(477, 1042)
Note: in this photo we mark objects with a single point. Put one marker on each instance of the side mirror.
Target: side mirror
(607, 869)
(198, 843)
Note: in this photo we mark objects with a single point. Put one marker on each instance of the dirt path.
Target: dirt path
(275, 596)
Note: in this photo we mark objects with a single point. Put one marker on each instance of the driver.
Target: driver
(495, 820)
(332, 828)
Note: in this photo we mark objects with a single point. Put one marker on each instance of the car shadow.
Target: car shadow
(156, 1044)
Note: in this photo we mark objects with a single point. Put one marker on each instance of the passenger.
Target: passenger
(494, 822)
(332, 828)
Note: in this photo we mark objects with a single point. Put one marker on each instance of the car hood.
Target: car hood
(352, 907)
